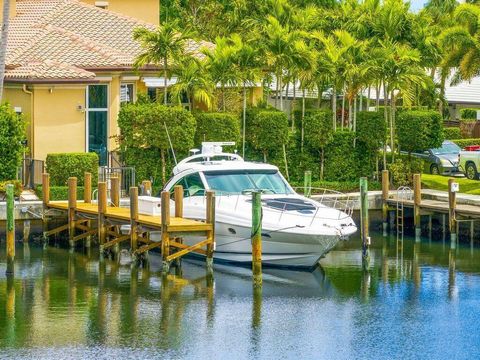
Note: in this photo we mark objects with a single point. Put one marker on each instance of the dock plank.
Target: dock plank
(441, 206)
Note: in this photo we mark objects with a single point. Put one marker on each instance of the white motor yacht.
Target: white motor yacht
(296, 231)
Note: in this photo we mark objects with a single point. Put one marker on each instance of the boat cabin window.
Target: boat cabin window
(243, 181)
(192, 185)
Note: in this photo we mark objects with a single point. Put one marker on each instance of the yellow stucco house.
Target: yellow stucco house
(69, 66)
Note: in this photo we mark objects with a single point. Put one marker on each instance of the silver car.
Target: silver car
(441, 161)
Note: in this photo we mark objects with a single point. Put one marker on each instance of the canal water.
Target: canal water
(416, 301)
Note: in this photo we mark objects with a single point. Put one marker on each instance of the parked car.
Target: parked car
(469, 162)
(443, 160)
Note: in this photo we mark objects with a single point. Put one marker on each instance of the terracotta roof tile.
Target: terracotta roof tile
(74, 33)
(48, 70)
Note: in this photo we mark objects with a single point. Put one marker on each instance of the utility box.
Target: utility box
(149, 205)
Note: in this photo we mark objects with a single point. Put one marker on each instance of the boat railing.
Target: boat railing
(344, 203)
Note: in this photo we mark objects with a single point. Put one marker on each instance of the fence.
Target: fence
(126, 175)
(30, 173)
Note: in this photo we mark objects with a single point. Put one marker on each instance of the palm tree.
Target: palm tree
(219, 64)
(161, 46)
(194, 81)
(3, 45)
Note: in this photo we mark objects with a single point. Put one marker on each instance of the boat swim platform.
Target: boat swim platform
(103, 220)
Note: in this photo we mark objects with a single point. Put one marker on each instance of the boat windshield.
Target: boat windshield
(245, 181)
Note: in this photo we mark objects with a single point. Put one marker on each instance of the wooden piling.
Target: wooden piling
(385, 194)
(133, 218)
(178, 195)
(452, 222)
(115, 191)
(10, 229)
(147, 187)
(45, 200)
(364, 222)
(257, 238)
(307, 184)
(165, 208)
(417, 201)
(210, 219)
(102, 210)
(87, 188)
(72, 205)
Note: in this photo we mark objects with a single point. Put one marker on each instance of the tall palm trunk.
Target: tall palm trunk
(319, 95)
(281, 90)
(385, 111)
(244, 116)
(303, 118)
(343, 109)
(3, 45)
(392, 122)
(223, 97)
(377, 100)
(322, 162)
(361, 100)
(350, 112)
(368, 97)
(276, 93)
(355, 120)
(292, 106)
(165, 94)
(334, 107)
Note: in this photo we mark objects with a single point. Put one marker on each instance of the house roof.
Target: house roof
(79, 36)
(466, 92)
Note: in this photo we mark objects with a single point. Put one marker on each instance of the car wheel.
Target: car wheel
(434, 170)
(471, 171)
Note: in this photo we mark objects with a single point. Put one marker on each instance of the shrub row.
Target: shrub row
(452, 133)
(468, 113)
(419, 130)
(12, 133)
(342, 186)
(466, 142)
(59, 192)
(61, 166)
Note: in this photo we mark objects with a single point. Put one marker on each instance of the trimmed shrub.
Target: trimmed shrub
(61, 166)
(318, 133)
(419, 130)
(402, 171)
(469, 113)
(340, 158)
(371, 129)
(269, 131)
(452, 133)
(59, 192)
(217, 127)
(17, 187)
(466, 142)
(12, 133)
(143, 128)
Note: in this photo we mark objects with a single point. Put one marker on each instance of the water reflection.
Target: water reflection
(74, 301)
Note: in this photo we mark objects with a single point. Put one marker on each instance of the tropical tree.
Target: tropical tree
(194, 81)
(162, 46)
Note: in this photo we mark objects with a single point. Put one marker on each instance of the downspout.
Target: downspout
(32, 132)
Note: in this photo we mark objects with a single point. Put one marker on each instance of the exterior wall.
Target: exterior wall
(18, 98)
(13, 9)
(145, 10)
(114, 109)
(58, 125)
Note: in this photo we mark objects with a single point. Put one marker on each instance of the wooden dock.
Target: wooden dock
(104, 218)
(456, 213)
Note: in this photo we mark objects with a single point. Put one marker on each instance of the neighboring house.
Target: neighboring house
(464, 95)
(69, 67)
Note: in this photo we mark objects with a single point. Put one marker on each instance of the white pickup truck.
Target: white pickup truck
(469, 163)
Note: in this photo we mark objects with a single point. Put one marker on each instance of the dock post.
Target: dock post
(385, 189)
(210, 219)
(452, 221)
(147, 187)
(102, 210)
(257, 238)
(417, 200)
(10, 230)
(364, 220)
(45, 200)
(72, 205)
(307, 184)
(178, 196)
(115, 199)
(133, 218)
(87, 199)
(165, 207)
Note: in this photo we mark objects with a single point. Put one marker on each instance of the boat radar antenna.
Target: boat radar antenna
(170, 142)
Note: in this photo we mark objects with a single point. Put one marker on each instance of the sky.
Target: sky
(417, 4)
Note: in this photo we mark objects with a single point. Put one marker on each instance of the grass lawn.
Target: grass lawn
(438, 182)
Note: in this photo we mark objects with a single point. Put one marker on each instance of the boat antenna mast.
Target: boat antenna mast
(170, 142)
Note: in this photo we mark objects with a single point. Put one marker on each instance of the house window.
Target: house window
(97, 121)
(152, 93)
(127, 93)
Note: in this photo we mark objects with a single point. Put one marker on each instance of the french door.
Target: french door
(97, 121)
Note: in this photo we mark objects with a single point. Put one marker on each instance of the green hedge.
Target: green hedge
(340, 158)
(341, 186)
(217, 127)
(17, 186)
(269, 131)
(468, 113)
(61, 166)
(59, 192)
(466, 142)
(452, 133)
(12, 133)
(419, 130)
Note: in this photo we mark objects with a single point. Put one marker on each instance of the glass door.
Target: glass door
(97, 121)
